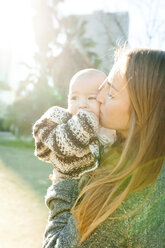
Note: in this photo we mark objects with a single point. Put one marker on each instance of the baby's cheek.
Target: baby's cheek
(72, 108)
(95, 107)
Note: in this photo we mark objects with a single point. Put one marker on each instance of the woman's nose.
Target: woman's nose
(101, 96)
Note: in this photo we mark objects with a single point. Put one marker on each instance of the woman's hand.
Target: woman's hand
(54, 177)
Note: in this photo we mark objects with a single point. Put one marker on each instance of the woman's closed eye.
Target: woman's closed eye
(110, 96)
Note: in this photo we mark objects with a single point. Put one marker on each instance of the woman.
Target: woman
(123, 202)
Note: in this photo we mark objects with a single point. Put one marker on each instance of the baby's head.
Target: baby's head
(83, 91)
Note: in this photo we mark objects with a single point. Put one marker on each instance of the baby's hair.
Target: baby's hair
(82, 74)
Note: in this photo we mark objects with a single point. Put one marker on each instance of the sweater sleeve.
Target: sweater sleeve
(71, 138)
(49, 120)
(41, 150)
(61, 230)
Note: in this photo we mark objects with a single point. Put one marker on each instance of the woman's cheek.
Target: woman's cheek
(95, 108)
(112, 113)
(110, 107)
(117, 115)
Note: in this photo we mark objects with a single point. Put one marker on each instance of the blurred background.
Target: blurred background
(42, 44)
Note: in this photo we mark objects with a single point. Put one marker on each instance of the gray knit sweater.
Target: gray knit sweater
(146, 227)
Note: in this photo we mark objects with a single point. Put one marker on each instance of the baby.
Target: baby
(83, 90)
(70, 139)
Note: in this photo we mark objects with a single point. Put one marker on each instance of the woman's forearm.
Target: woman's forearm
(61, 229)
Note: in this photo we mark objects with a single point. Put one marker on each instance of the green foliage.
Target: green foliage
(54, 64)
(1, 124)
(27, 109)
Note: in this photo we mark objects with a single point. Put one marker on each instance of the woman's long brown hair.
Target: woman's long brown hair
(137, 162)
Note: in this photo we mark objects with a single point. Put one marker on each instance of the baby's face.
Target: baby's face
(83, 93)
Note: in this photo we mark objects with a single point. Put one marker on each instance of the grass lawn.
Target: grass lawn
(23, 184)
(22, 161)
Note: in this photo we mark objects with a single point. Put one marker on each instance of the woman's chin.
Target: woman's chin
(102, 123)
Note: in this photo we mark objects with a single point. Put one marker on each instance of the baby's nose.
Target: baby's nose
(83, 104)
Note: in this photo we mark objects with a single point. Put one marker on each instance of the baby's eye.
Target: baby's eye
(73, 98)
(92, 98)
